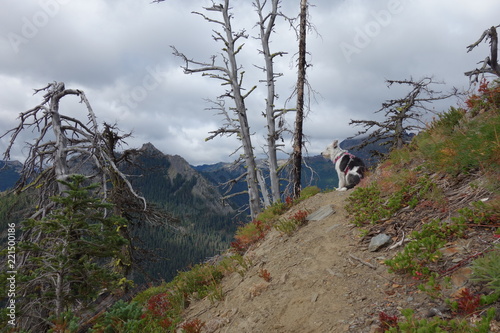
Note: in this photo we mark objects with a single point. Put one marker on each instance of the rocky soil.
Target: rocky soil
(323, 279)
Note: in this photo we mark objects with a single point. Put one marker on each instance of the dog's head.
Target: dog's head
(332, 150)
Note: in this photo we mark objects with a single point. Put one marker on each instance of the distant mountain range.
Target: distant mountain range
(9, 174)
(194, 195)
(221, 172)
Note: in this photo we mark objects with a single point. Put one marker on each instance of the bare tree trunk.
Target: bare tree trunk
(241, 110)
(263, 188)
(231, 76)
(61, 142)
(399, 130)
(59, 284)
(298, 133)
(273, 134)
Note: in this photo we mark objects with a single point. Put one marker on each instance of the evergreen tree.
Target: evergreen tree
(70, 265)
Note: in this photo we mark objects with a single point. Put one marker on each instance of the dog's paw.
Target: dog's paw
(342, 189)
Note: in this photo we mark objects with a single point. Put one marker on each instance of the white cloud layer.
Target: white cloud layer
(119, 53)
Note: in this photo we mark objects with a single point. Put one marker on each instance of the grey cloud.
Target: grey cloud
(119, 53)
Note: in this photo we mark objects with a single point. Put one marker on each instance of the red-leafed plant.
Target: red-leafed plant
(386, 321)
(300, 217)
(249, 234)
(468, 303)
(192, 326)
(158, 305)
(263, 273)
(290, 225)
(488, 97)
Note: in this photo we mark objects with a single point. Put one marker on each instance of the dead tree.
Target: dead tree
(299, 117)
(231, 75)
(490, 63)
(274, 116)
(402, 115)
(65, 146)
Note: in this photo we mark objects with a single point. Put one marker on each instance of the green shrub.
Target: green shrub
(272, 212)
(480, 214)
(447, 121)
(365, 205)
(368, 205)
(249, 234)
(199, 280)
(121, 317)
(236, 263)
(473, 146)
(290, 225)
(487, 270)
(67, 323)
(143, 296)
(436, 324)
(424, 248)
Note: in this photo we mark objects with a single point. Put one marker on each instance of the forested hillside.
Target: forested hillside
(203, 225)
(200, 226)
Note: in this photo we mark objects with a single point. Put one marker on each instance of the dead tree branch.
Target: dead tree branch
(490, 63)
(402, 115)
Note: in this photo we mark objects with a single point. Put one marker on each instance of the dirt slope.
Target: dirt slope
(322, 280)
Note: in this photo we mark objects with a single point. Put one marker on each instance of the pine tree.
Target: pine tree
(70, 265)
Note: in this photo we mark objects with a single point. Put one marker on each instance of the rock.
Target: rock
(461, 277)
(321, 213)
(378, 242)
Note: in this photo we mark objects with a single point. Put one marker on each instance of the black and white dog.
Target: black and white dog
(350, 168)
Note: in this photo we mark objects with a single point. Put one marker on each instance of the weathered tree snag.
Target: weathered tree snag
(299, 118)
(266, 25)
(402, 115)
(49, 158)
(231, 76)
(490, 63)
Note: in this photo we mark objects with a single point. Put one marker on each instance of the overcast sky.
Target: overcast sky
(119, 53)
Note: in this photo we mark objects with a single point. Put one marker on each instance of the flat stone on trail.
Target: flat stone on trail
(321, 213)
(378, 241)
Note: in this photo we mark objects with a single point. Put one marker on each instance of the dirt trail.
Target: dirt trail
(321, 281)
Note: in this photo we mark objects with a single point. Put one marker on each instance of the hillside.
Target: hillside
(205, 222)
(437, 204)
(311, 265)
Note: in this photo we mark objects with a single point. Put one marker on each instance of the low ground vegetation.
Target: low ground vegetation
(442, 187)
